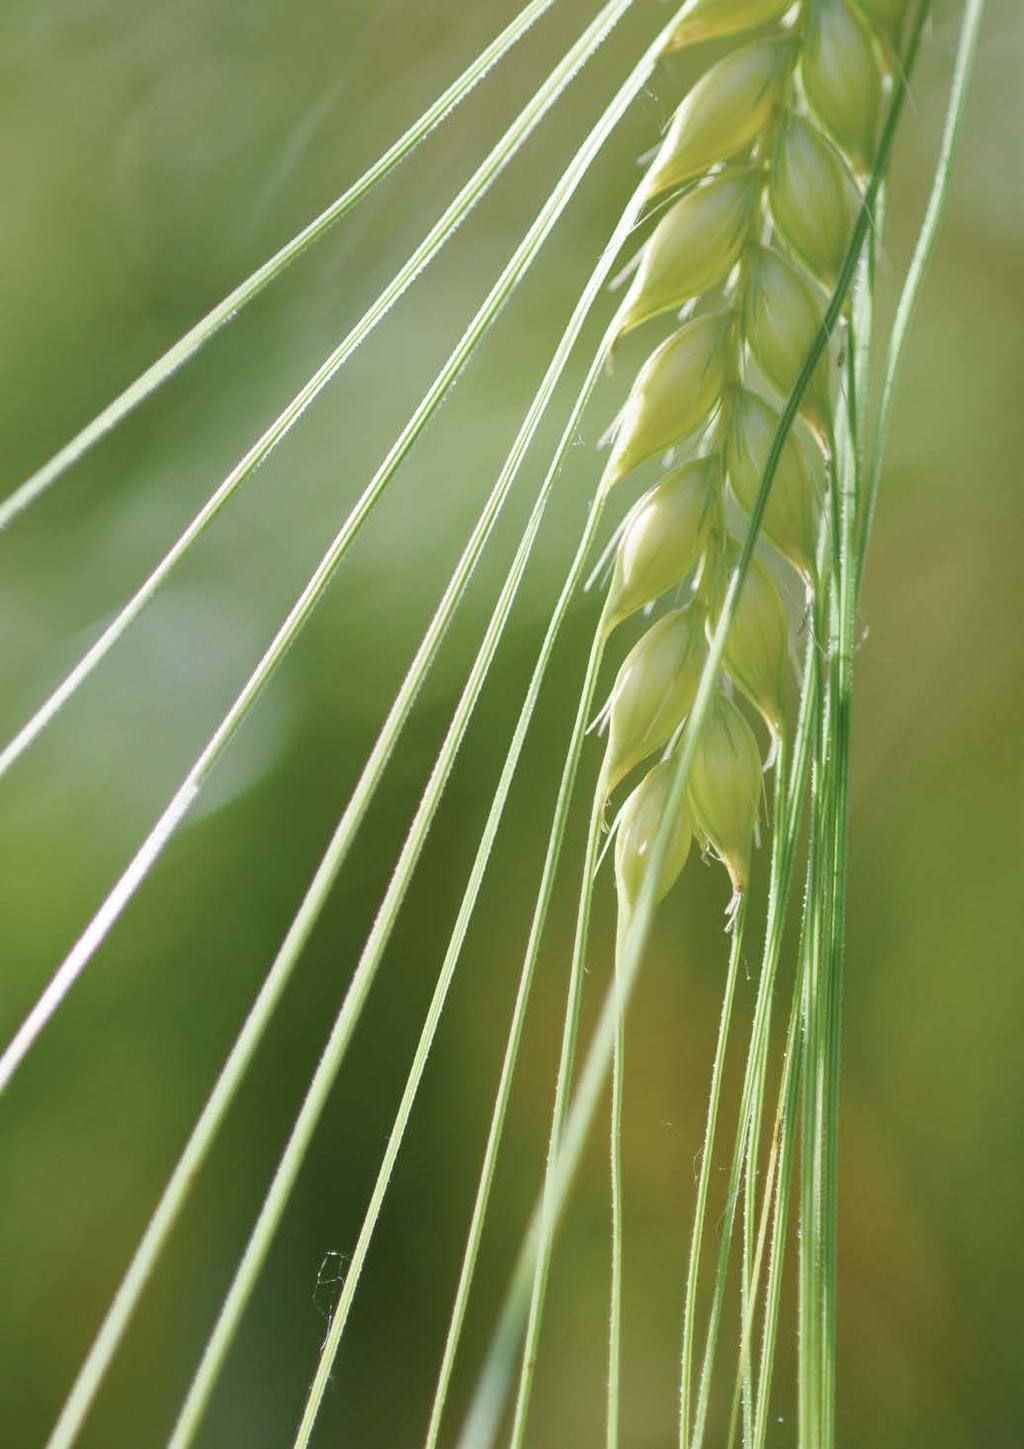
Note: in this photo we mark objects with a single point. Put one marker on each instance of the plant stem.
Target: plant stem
(778, 1156)
(754, 1075)
(704, 1176)
(754, 1139)
(811, 1264)
(615, 1148)
(773, 1291)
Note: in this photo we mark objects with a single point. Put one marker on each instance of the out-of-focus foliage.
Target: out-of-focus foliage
(152, 155)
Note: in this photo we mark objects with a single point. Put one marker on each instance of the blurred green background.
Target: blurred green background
(151, 156)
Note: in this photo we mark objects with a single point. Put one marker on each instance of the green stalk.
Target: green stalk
(850, 491)
(754, 1076)
(754, 1138)
(152, 847)
(781, 1140)
(823, 986)
(856, 516)
(853, 510)
(615, 1153)
(704, 1177)
(857, 513)
(780, 1223)
(485, 174)
(811, 1266)
(197, 336)
(780, 1220)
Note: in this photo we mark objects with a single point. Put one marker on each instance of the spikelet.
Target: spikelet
(839, 68)
(791, 514)
(666, 536)
(638, 829)
(758, 642)
(653, 691)
(757, 645)
(813, 200)
(767, 149)
(723, 114)
(724, 788)
(712, 19)
(675, 391)
(782, 317)
(694, 246)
